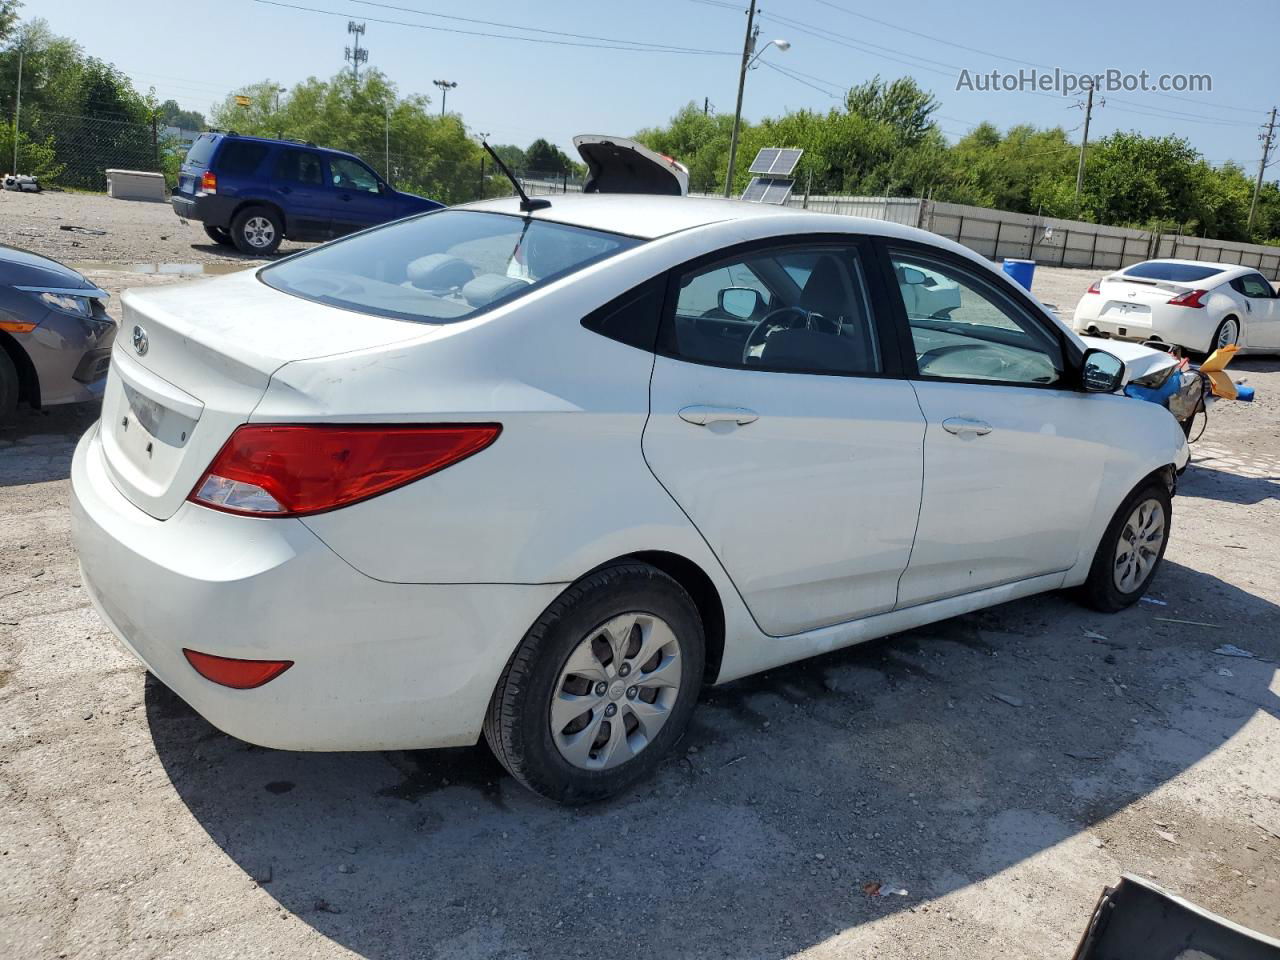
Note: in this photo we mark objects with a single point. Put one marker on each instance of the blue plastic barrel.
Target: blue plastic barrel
(1021, 270)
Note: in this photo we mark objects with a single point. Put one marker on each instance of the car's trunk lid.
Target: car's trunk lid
(192, 363)
(617, 165)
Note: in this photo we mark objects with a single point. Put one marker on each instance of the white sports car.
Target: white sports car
(1197, 306)
(383, 494)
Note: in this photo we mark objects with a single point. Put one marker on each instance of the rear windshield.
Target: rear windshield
(1177, 272)
(202, 149)
(442, 267)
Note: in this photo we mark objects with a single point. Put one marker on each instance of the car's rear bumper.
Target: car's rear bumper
(1185, 326)
(207, 208)
(376, 665)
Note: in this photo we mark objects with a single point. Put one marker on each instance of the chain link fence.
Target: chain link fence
(77, 151)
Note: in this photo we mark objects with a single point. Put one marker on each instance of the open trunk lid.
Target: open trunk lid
(618, 165)
(192, 362)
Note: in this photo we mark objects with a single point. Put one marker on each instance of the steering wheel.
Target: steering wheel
(929, 356)
(762, 329)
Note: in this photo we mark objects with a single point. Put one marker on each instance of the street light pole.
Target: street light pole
(445, 86)
(748, 61)
(17, 111)
(747, 44)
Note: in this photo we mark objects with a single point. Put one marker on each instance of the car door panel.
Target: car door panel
(806, 485)
(1011, 466)
(1262, 311)
(298, 181)
(357, 202)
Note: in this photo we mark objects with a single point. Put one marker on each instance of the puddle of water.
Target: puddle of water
(213, 269)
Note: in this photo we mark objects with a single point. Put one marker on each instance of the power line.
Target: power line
(792, 76)
(502, 36)
(513, 26)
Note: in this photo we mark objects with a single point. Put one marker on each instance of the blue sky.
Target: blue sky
(518, 90)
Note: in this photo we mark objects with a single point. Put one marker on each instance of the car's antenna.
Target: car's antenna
(526, 204)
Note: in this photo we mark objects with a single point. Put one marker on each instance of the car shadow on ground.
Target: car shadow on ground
(1211, 483)
(929, 760)
(37, 445)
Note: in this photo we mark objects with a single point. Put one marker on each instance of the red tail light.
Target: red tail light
(1095, 287)
(209, 182)
(294, 470)
(239, 674)
(1189, 299)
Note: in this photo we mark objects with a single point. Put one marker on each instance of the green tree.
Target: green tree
(901, 104)
(8, 17)
(172, 115)
(545, 157)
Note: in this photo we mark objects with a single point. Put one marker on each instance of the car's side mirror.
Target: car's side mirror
(741, 302)
(1103, 372)
(913, 277)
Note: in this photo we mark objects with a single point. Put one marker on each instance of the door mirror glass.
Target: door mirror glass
(742, 303)
(1103, 372)
(913, 277)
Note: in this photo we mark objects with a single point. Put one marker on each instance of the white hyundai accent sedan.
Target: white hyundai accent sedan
(386, 494)
(1195, 305)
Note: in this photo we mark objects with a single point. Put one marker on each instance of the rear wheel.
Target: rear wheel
(1131, 549)
(220, 235)
(601, 687)
(257, 231)
(1228, 332)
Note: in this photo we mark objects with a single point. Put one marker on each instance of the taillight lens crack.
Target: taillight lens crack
(293, 470)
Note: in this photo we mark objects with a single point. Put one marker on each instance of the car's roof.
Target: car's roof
(637, 215)
(300, 144)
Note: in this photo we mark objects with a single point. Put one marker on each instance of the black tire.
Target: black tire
(219, 235)
(518, 726)
(1101, 591)
(1213, 344)
(257, 231)
(10, 386)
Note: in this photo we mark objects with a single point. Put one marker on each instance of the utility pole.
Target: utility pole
(445, 86)
(1267, 139)
(357, 54)
(748, 45)
(17, 113)
(386, 145)
(1084, 142)
(706, 106)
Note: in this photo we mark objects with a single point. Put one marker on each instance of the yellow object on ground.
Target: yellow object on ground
(1215, 369)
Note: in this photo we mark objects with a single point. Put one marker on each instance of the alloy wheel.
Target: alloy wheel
(616, 690)
(1228, 333)
(259, 232)
(1139, 545)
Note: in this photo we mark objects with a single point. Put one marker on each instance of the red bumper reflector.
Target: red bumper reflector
(238, 674)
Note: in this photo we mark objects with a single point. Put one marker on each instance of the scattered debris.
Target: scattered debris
(735, 760)
(91, 231)
(873, 889)
(22, 183)
(1190, 623)
(1231, 650)
(324, 906)
(346, 868)
(261, 874)
(1094, 635)
(1109, 658)
(1224, 672)
(1158, 603)
(1005, 698)
(1166, 836)
(1084, 756)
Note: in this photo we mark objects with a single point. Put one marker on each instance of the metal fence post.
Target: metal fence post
(1093, 253)
(155, 142)
(1062, 260)
(995, 251)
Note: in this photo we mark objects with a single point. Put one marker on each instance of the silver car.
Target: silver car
(55, 335)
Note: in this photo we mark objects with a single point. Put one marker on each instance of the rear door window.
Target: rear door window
(299, 166)
(239, 158)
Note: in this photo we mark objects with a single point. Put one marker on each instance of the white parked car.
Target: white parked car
(383, 495)
(1198, 306)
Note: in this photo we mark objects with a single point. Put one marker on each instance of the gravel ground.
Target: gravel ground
(999, 767)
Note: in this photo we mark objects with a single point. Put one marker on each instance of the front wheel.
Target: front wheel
(1131, 549)
(601, 687)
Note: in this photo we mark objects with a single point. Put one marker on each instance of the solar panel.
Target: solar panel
(768, 190)
(776, 161)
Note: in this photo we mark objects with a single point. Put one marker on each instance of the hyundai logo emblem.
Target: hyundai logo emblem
(140, 341)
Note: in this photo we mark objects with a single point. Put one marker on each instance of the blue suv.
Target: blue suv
(251, 192)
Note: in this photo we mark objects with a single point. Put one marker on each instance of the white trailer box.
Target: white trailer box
(135, 185)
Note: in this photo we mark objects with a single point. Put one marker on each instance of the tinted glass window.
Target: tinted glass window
(964, 327)
(1177, 272)
(240, 157)
(797, 309)
(442, 266)
(633, 317)
(202, 149)
(349, 175)
(1253, 285)
(299, 166)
